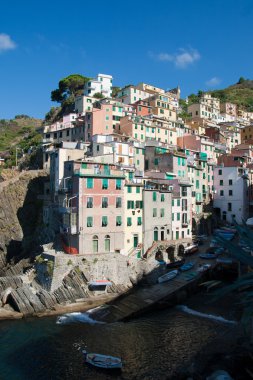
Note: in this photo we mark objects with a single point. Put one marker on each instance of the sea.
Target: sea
(157, 345)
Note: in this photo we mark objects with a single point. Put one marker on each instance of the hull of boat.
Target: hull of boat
(103, 361)
(167, 277)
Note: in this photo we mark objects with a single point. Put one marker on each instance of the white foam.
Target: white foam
(217, 318)
(76, 318)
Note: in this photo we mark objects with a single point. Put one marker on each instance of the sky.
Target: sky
(193, 44)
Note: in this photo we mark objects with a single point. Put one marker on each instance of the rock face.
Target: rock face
(20, 211)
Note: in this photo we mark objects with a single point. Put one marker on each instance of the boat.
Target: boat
(100, 283)
(176, 264)
(191, 249)
(224, 260)
(168, 276)
(187, 266)
(103, 361)
(204, 267)
(208, 256)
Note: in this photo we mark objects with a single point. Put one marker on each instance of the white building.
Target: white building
(102, 84)
(230, 193)
(131, 94)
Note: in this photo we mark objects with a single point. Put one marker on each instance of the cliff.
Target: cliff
(20, 212)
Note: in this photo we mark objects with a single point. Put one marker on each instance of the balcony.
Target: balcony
(185, 224)
(95, 172)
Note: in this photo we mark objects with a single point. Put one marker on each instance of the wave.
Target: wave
(217, 318)
(76, 318)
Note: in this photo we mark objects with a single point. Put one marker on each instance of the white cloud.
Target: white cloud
(213, 82)
(6, 43)
(181, 59)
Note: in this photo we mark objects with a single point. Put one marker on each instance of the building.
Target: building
(231, 199)
(94, 217)
(207, 108)
(102, 84)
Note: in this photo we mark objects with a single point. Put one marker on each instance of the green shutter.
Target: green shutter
(118, 221)
(105, 183)
(162, 197)
(104, 221)
(139, 221)
(118, 184)
(154, 196)
(84, 165)
(129, 189)
(162, 212)
(129, 221)
(89, 221)
(89, 183)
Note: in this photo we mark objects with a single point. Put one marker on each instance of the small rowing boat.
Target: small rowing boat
(102, 361)
(100, 283)
(187, 266)
(208, 256)
(168, 276)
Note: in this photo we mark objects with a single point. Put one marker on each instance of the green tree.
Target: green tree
(98, 95)
(241, 80)
(67, 90)
(115, 90)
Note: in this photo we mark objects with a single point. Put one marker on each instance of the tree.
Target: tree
(98, 95)
(70, 86)
(115, 90)
(241, 80)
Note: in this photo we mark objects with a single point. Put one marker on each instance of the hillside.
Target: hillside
(240, 93)
(15, 130)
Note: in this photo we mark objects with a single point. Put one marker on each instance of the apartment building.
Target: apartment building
(207, 108)
(231, 193)
(102, 84)
(94, 219)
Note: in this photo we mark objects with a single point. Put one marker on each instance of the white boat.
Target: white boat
(168, 276)
(203, 267)
(102, 361)
(191, 249)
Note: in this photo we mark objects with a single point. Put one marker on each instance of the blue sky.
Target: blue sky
(191, 43)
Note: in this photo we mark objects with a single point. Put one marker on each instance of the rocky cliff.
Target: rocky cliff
(20, 213)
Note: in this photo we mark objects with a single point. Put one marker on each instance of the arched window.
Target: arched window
(95, 244)
(155, 234)
(107, 243)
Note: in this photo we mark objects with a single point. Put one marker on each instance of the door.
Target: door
(155, 235)
(162, 235)
(136, 241)
(177, 235)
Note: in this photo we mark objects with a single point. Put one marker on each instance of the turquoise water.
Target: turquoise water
(152, 347)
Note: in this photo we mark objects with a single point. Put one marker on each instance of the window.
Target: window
(89, 221)
(118, 202)
(105, 183)
(139, 221)
(178, 202)
(154, 196)
(130, 204)
(221, 182)
(172, 217)
(138, 190)
(104, 202)
(230, 192)
(162, 212)
(172, 202)
(162, 197)
(219, 172)
(118, 184)
(139, 204)
(230, 182)
(154, 212)
(221, 193)
(89, 202)
(229, 206)
(118, 221)
(89, 183)
(178, 215)
(104, 221)
(95, 244)
(129, 189)
(129, 221)
(107, 243)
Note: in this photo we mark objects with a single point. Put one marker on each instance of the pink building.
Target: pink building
(95, 209)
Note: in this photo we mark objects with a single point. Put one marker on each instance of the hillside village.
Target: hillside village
(128, 173)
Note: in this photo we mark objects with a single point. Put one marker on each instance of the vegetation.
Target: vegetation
(115, 90)
(68, 89)
(22, 133)
(240, 93)
(98, 95)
